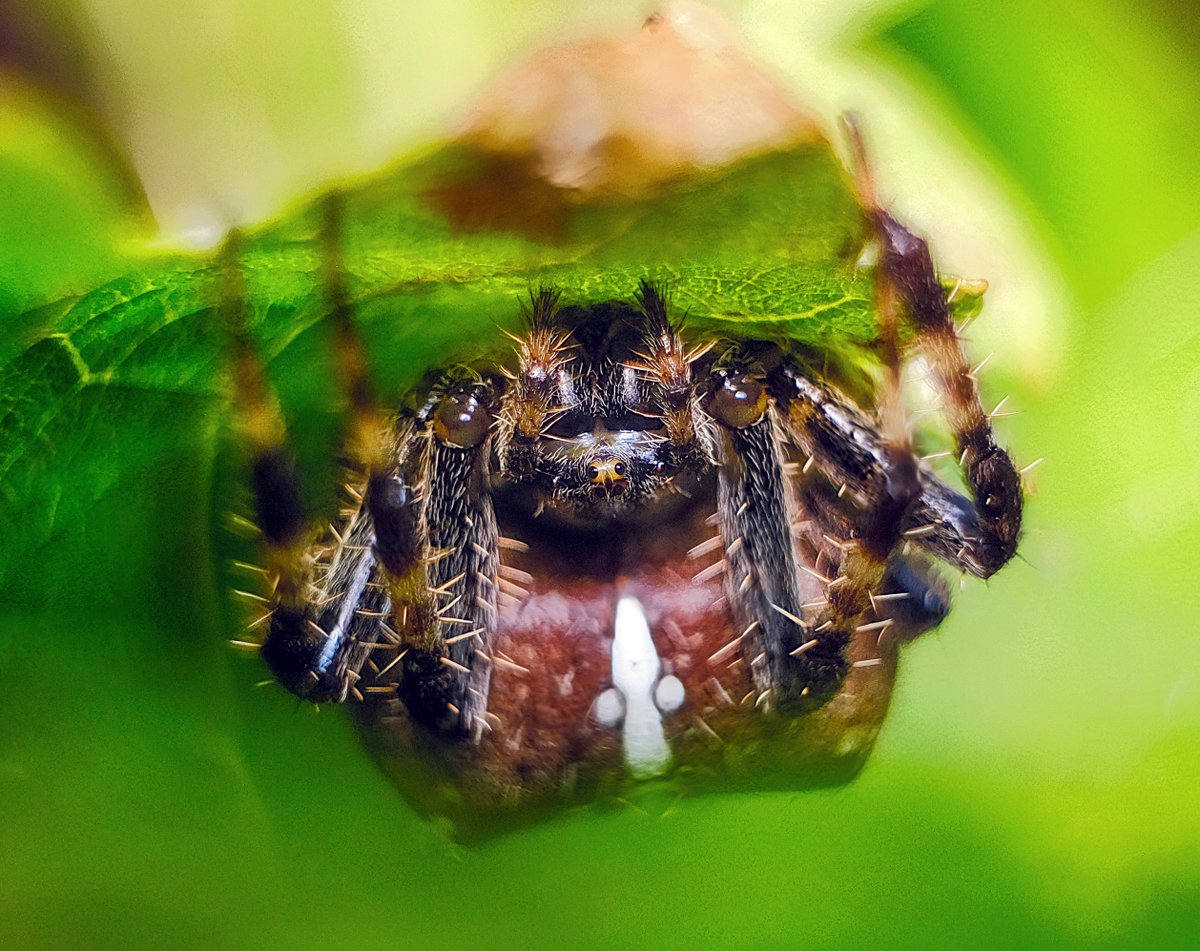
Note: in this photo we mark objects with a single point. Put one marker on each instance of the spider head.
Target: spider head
(597, 414)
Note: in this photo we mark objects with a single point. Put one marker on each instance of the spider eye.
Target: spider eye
(740, 402)
(607, 475)
(461, 420)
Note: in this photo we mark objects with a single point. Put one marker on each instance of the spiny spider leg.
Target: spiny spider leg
(387, 540)
(447, 666)
(890, 490)
(317, 639)
(756, 513)
(976, 534)
(420, 550)
(991, 527)
(667, 364)
(286, 540)
(846, 449)
(808, 660)
(281, 516)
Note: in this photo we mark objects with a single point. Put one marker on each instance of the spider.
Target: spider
(622, 553)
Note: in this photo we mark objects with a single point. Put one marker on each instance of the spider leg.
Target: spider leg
(756, 511)
(990, 528)
(446, 589)
(977, 534)
(668, 367)
(327, 621)
(845, 447)
(386, 540)
(795, 661)
(890, 491)
(290, 646)
(433, 562)
(808, 659)
(323, 623)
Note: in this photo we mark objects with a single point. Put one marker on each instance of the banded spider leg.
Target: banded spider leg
(758, 393)
(412, 578)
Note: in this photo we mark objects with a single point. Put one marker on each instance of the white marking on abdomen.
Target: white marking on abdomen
(635, 667)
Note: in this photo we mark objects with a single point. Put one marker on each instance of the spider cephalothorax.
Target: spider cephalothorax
(598, 423)
(619, 550)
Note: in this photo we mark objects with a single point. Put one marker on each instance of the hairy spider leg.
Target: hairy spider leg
(387, 542)
(323, 623)
(667, 363)
(446, 666)
(535, 395)
(756, 511)
(292, 643)
(419, 549)
(898, 501)
(983, 536)
(806, 660)
(891, 492)
(845, 448)
(377, 569)
(325, 618)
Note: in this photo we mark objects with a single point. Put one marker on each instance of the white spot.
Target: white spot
(635, 667)
(668, 695)
(609, 707)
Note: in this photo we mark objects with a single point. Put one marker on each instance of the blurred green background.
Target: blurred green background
(1036, 783)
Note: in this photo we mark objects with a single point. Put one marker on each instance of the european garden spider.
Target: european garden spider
(621, 551)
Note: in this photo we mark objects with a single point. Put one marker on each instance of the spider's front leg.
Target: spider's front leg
(423, 543)
(419, 552)
(438, 548)
(803, 660)
(755, 513)
(798, 660)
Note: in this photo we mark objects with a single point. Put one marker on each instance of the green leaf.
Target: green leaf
(457, 240)
(438, 252)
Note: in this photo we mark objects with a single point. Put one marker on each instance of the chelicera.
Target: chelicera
(622, 553)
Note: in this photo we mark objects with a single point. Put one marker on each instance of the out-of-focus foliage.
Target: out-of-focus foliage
(1035, 784)
(66, 203)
